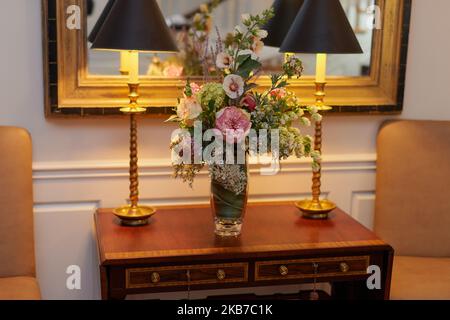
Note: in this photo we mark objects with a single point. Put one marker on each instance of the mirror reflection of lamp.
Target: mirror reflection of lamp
(285, 12)
(90, 7)
(133, 26)
(321, 27)
(124, 55)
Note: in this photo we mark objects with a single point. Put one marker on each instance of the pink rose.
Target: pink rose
(278, 93)
(234, 123)
(195, 88)
(249, 102)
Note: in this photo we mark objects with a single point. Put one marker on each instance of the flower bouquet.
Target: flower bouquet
(224, 121)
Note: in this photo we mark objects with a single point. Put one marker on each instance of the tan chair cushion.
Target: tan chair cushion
(16, 204)
(421, 279)
(413, 188)
(19, 288)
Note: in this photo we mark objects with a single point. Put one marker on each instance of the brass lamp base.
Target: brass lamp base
(134, 216)
(317, 210)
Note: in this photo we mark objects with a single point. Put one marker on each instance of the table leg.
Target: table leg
(104, 283)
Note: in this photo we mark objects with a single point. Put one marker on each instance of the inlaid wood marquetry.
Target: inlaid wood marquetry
(178, 276)
(302, 269)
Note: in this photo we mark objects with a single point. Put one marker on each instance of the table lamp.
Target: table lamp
(321, 27)
(134, 26)
(285, 12)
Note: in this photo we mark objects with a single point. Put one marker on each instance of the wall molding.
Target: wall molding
(63, 170)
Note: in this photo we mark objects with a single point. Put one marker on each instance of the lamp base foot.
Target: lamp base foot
(134, 217)
(316, 210)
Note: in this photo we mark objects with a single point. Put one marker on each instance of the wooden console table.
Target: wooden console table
(179, 250)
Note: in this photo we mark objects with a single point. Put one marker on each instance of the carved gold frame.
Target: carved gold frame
(71, 90)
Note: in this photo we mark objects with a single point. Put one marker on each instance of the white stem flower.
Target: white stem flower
(245, 17)
(234, 86)
(253, 55)
(224, 60)
(316, 117)
(262, 34)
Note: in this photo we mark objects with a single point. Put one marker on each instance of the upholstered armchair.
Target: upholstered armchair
(17, 261)
(413, 206)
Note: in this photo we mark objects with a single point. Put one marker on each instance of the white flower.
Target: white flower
(197, 18)
(262, 34)
(305, 121)
(234, 86)
(316, 117)
(313, 109)
(224, 60)
(316, 167)
(204, 8)
(257, 45)
(317, 157)
(238, 29)
(249, 52)
(245, 17)
(189, 109)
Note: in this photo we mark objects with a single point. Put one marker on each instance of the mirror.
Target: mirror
(225, 17)
(81, 82)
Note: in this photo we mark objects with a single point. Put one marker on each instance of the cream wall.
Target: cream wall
(81, 164)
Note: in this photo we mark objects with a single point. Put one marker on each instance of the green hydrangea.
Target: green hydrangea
(212, 92)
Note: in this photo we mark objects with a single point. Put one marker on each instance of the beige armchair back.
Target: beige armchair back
(16, 204)
(413, 188)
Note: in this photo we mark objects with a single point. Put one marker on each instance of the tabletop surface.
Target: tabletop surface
(189, 231)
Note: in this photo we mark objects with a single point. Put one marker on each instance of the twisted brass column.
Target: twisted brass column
(134, 174)
(317, 175)
(134, 214)
(317, 208)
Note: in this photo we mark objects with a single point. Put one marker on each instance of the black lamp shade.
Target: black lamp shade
(278, 27)
(321, 26)
(101, 21)
(135, 25)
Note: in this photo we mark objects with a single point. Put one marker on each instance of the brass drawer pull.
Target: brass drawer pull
(221, 275)
(284, 271)
(344, 267)
(155, 277)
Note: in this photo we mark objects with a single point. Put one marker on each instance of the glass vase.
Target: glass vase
(229, 195)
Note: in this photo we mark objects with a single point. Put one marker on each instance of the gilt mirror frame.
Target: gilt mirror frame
(72, 91)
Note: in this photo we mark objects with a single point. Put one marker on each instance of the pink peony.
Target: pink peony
(249, 102)
(234, 123)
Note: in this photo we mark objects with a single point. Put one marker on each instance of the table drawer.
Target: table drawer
(186, 275)
(305, 269)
